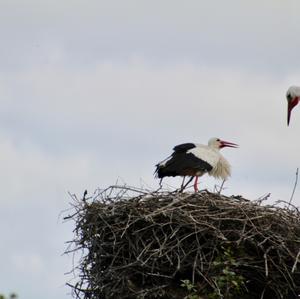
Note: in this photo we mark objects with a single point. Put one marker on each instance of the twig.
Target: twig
(295, 185)
(221, 187)
(266, 264)
(296, 261)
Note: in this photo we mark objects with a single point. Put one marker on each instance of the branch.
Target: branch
(295, 185)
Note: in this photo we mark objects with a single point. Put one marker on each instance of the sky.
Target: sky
(95, 92)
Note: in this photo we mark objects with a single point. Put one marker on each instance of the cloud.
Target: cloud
(29, 264)
(209, 34)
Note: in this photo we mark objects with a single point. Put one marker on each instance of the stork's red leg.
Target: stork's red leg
(196, 184)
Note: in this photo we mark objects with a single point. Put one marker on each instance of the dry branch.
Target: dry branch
(141, 244)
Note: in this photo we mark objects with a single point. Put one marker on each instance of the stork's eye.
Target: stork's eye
(289, 96)
(218, 140)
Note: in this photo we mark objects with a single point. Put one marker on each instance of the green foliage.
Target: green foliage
(190, 287)
(11, 296)
(228, 282)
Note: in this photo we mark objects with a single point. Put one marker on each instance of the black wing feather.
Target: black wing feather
(181, 164)
(183, 148)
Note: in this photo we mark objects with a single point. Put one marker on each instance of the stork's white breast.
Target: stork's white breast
(207, 154)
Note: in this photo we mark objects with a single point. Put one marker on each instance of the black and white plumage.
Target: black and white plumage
(194, 160)
(293, 97)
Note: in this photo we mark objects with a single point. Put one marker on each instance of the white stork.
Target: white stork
(190, 159)
(293, 97)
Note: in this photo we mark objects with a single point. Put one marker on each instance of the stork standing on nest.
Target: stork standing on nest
(190, 159)
(293, 97)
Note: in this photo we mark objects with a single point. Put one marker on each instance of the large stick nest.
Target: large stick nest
(184, 245)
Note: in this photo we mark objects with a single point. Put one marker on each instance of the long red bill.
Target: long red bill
(228, 144)
(290, 108)
(291, 104)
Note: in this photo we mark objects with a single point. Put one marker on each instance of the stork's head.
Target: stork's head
(293, 97)
(217, 143)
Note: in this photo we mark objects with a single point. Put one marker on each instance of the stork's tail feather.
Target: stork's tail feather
(161, 171)
(158, 173)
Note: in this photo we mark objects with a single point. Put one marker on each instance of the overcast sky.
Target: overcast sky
(97, 91)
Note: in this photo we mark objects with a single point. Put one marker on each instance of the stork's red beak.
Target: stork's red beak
(228, 144)
(291, 104)
(290, 108)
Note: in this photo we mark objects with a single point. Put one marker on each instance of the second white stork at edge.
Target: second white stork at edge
(293, 97)
(194, 160)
